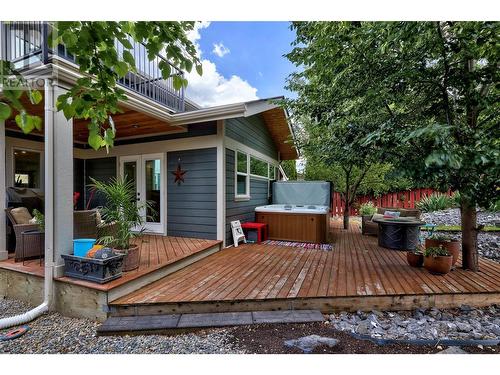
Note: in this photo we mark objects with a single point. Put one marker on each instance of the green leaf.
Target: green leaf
(5, 111)
(177, 82)
(121, 68)
(35, 96)
(95, 140)
(165, 69)
(25, 122)
(188, 65)
(199, 69)
(129, 58)
(37, 122)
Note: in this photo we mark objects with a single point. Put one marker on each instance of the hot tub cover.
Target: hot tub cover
(302, 193)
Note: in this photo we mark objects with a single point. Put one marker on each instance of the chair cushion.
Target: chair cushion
(391, 214)
(21, 215)
(377, 217)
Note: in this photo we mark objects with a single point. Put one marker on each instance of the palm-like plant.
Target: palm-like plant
(123, 210)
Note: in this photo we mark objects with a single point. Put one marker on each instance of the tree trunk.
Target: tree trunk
(469, 237)
(346, 214)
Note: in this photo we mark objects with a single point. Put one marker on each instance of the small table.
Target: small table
(398, 234)
(261, 229)
(33, 244)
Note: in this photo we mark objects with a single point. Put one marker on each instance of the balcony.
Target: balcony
(25, 44)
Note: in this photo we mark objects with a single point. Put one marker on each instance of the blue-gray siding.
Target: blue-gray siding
(252, 132)
(192, 205)
(241, 210)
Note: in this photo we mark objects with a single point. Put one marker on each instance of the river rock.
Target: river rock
(308, 343)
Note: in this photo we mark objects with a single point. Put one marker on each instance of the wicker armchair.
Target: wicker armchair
(30, 251)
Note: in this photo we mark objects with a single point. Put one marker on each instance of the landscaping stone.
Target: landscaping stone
(462, 323)
(308, 343)
(453, 350)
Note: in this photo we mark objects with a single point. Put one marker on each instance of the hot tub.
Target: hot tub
(302, 223)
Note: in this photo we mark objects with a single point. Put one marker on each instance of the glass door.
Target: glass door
(147, 173)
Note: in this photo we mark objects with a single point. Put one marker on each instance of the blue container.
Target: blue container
(81, 246)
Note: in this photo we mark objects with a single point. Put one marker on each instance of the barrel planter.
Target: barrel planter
(453, 247)
(439, 265)
(132, 257)
(415, 259)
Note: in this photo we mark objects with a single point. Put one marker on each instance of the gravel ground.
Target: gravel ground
(53, 333)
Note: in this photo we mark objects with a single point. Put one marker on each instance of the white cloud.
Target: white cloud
(220, 49)
(212, 88)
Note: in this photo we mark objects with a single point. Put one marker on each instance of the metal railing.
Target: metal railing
(26, 44)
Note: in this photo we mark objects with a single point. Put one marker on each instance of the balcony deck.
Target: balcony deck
(357, 274)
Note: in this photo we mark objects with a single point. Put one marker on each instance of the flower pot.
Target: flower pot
(453, 248)
(415, 259)
(438, 264)
(132, 258)
(429, 242)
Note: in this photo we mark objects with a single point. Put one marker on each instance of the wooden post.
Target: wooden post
(3, 224)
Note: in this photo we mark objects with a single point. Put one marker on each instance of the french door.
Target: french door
(147, 173)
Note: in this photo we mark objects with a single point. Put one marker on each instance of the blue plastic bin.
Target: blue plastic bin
(81, 246)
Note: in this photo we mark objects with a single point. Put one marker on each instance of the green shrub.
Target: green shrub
(39, 219)
(435, 202)
(367, 209)
(436, 252)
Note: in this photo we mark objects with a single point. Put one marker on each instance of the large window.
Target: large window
(242, 181)
(27, 169)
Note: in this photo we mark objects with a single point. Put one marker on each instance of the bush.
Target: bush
(367, 209)
(436, 252)
(435, 202)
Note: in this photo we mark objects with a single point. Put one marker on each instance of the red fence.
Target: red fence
(400, 199)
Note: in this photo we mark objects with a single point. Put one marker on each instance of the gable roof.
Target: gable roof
(275, 117)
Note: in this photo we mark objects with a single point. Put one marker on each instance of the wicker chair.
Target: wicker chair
(85, 225)
(31, 250)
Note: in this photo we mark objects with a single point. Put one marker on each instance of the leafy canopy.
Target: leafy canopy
(95, 96)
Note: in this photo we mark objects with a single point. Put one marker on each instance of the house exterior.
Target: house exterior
(201, 167)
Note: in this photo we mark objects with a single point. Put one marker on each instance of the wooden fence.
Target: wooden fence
(400, 199)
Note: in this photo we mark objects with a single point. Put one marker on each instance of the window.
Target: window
(272, 172)
(242, 186)
(258, 167)
(27, 169)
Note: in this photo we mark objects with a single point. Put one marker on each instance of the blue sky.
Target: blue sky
(241, 61)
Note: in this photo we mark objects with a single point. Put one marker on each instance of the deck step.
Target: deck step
(174, 322)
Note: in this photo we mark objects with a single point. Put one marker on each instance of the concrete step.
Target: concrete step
(178, 322)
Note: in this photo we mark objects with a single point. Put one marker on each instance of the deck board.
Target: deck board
(357, 267)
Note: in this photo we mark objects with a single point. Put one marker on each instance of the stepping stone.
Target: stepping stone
(215, 319)
(139, 323)
(308, 343)
(453, 350)
(288, 316)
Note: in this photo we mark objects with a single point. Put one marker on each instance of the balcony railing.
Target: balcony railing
(26, 44)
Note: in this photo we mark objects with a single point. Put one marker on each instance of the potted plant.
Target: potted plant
(366, 210)
(123, 210)
(437, 260)
(415, 258)
(446, 242)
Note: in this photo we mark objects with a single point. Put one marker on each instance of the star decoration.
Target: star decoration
(179, 174)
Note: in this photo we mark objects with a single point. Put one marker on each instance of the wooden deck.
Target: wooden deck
(357, 274)
(156, 252)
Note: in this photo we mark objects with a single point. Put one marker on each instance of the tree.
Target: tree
(432, 90)
(95, 97)
(290, 168)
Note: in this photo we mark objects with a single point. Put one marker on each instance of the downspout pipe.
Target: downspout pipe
(49, 218)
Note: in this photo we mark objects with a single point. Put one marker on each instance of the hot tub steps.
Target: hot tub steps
(177, 322)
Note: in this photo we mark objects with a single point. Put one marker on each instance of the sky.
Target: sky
(241, 61)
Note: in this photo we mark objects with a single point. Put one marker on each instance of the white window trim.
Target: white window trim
(245, 196)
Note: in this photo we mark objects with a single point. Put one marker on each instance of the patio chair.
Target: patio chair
(20, 217)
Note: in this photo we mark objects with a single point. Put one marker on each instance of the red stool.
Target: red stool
(261, 229)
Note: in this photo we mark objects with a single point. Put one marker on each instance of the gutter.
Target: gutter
(49, 219)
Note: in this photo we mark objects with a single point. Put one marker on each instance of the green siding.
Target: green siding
(252, 132)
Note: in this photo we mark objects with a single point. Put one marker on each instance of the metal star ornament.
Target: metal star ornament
(179, 174)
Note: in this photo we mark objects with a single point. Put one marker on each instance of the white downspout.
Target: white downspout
(49, 217)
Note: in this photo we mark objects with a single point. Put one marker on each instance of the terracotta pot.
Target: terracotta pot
(429, 242)
(415, 259)
(439, 265)
(453, 248)
(132, 258)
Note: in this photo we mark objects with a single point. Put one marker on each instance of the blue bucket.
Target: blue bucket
(81, 246)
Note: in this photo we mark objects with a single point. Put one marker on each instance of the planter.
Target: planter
(452, 246)
(96, 270)
(415, 259)
(440, 265)
(364, 220)
(132, 258)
